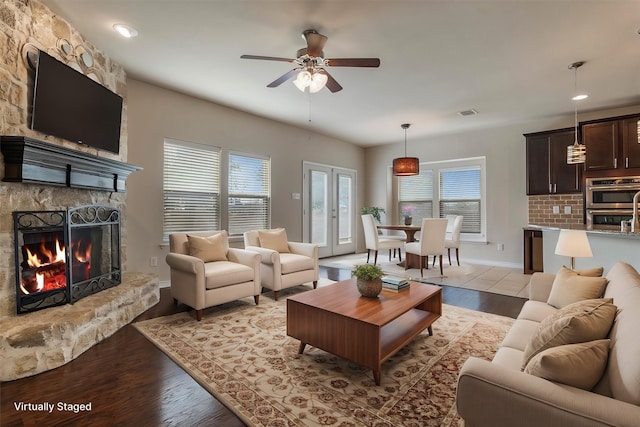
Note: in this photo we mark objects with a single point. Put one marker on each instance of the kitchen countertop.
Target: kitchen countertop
(612, 233)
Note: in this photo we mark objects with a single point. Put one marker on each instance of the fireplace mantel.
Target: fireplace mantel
(31, 161)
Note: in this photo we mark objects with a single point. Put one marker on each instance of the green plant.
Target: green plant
(373, 210)
(367, 272)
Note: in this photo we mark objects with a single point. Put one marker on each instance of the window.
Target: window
(416, 194)
(460, 195)
(191, 187)
(454, 187)
(249, 193)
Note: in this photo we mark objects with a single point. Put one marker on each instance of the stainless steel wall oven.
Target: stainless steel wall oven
(608, 201)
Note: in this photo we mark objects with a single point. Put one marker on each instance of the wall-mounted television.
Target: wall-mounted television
(69, 105)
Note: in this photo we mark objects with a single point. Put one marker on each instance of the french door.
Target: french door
(329, 208)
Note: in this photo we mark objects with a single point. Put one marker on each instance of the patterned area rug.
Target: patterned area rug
(241, 354)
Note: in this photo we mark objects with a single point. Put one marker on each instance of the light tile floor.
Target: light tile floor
(498, 280)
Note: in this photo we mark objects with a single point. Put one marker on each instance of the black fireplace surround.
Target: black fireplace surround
(63, 256)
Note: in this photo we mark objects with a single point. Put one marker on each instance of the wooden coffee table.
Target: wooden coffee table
(366, 331)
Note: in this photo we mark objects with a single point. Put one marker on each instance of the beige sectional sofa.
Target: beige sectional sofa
(500, 393)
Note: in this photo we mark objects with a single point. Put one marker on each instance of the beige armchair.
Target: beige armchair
(283, 264)
(205, 271)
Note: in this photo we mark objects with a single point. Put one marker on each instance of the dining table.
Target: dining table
(410, 260)
(409, 230)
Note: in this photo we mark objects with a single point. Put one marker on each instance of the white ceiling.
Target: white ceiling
(506, 59)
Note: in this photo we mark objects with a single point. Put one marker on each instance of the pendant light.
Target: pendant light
(406, 166)
(577, 152)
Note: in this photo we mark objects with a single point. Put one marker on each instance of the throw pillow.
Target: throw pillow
(578, 365)
(209, 249)
(578, 322)
(591, 272)
(570, 286)
(274, 239)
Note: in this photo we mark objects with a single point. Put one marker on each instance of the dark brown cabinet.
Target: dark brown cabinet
(612, 143)
(547, 168)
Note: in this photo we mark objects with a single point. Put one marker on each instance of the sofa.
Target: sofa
(500, 393)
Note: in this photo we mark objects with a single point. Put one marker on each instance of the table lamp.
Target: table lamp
(573, 243)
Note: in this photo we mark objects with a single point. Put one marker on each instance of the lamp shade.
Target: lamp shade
(406, 166)
(573, 243)
(576, 153)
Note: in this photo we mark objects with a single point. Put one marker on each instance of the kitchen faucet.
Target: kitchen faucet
(635, 223)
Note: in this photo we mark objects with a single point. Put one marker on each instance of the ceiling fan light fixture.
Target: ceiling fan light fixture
(406, 166)
(302, 80)
(318, 81)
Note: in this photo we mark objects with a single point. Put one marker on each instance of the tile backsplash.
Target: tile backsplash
(542, 212)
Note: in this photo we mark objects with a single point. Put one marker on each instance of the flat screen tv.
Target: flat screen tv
(69, 105)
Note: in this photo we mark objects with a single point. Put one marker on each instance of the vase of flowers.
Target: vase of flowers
(369, 279)
(407, 213)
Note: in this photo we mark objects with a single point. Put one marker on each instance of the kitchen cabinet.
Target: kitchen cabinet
(547, 168)
(612, 144)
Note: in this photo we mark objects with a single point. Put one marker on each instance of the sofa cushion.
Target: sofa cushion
(536, 311)
(570, 286)
(274, 239)
(209, 249)
(520, 334)
(578, 365)
(225, 273)
(578, 322)
(293, 262)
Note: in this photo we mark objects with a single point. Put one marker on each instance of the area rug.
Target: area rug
(243, 356)
(494, 279)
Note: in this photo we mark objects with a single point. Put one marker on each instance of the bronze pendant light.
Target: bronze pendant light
(406, 166)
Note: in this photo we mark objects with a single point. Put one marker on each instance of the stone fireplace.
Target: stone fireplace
(44, 173)
(63, 256)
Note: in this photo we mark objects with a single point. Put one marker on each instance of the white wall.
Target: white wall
(504, 149)
(155, 113)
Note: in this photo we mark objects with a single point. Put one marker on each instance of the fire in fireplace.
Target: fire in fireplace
(62, 256)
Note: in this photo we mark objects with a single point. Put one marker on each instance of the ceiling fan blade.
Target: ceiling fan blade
(315, 42)
(332, 84)
(353, 62)
(283, 78)
(267, 58)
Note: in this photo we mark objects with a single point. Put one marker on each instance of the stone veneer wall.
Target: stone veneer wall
(28, 21)
(541, 210)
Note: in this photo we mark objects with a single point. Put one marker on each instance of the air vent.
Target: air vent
(466, 113)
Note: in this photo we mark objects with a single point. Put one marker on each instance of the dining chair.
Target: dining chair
(433, 231)
(452, 238)
(374, 242)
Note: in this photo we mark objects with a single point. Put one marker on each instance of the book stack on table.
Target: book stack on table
(394, 283)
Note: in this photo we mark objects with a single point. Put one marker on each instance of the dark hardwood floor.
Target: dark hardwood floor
(129, 382)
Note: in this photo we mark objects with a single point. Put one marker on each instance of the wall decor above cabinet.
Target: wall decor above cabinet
(612, 144)
(547, 168)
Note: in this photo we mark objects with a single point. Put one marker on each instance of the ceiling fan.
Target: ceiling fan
(310, 71)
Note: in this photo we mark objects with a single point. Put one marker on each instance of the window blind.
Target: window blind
(191, 187)
(415, 193)
(460, 195)
(249, 193)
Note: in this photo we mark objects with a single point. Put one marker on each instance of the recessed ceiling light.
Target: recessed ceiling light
(125, 30)
(580, 97)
